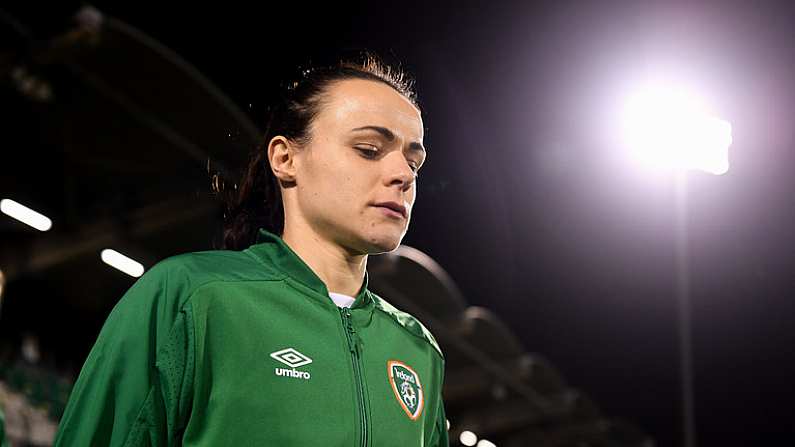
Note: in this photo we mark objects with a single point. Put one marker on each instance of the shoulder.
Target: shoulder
(407, 322)
(202, 267)
(177, 277)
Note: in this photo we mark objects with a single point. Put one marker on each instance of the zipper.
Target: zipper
(355, 350)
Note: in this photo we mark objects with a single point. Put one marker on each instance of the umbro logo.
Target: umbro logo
(291, 357)
(294, 359)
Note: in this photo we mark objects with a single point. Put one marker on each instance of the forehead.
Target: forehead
(358, 102)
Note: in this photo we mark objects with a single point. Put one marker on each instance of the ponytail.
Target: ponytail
(258, 204)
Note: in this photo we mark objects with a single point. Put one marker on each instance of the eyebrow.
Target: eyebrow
(390, 136)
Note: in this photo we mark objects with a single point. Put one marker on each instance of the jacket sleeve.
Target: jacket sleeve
(134, 388)
(440, 437)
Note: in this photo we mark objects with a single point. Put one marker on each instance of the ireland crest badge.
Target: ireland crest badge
(406, 385)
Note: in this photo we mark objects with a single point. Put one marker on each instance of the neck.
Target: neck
(340, 270)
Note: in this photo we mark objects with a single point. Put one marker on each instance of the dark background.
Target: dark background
(525, 202)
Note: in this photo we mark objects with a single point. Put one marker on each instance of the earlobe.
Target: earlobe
(281, 158)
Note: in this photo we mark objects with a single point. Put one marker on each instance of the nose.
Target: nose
(399, 172)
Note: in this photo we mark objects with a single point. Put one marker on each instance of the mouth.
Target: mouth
(393, 209)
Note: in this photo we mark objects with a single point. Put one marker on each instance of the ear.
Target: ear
(281, 155)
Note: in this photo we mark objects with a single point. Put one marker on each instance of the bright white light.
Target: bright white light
(468, 438)
(667, 126)
(118, 261)
(485, 443)
(448, 424)
(25, 215)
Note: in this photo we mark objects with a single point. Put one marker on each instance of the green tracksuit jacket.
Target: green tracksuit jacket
(245, 348)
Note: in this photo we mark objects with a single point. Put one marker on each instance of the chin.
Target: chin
(383, 243)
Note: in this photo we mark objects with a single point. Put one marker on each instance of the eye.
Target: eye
(367, 150)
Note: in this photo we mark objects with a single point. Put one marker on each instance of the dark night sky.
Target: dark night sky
(526, 205)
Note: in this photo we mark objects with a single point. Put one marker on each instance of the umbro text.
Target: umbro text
(292, 373)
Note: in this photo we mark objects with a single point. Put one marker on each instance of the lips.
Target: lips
(394, 206)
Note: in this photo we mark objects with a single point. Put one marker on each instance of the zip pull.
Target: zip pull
(346, 311)
(346, 317)
(357, 342)
(349, 331)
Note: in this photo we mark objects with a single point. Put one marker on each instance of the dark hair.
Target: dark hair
(255, 202)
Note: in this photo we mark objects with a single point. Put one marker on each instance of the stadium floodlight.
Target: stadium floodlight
(468, 438)
(666, 125)
(25, 215)
(120, 262)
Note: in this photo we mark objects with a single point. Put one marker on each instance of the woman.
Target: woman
(276, 339)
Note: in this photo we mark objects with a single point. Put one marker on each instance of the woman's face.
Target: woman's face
(365, 148)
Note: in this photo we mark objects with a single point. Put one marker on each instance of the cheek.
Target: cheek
(342, 187)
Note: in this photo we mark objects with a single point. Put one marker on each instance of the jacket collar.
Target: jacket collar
(272, 249)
